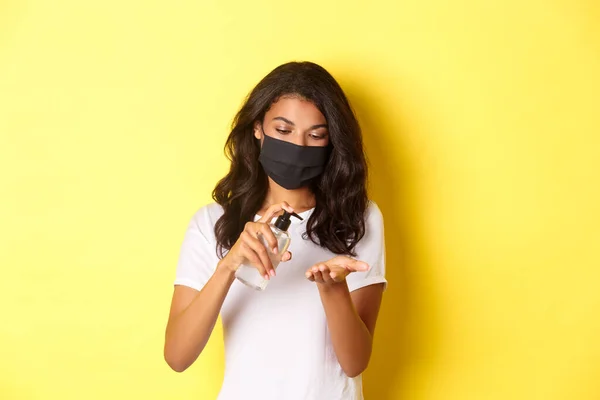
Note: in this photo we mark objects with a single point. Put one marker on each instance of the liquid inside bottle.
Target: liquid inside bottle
(248, 274)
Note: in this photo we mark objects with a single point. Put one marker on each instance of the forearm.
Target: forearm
(352, 341)
(188, 332)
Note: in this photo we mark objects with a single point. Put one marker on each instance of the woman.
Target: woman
(296, 146)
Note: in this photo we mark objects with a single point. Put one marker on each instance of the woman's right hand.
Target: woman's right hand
(249, 249)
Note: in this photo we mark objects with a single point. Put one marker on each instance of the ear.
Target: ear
(257, 130)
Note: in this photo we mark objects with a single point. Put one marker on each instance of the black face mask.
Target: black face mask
(289, 165)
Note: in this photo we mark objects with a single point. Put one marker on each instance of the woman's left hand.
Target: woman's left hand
(335, 270)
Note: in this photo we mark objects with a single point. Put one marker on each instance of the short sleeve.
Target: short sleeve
(370, 249)
(197, 257)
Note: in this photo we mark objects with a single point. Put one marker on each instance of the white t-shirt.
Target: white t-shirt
(277, 345)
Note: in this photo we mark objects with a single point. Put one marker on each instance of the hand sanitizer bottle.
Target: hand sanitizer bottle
(249, 275)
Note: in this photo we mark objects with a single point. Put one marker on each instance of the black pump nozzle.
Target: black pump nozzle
(283, 221)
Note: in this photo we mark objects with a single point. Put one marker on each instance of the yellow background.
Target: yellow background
(482, 124)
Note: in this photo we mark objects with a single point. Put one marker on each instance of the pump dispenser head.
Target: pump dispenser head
(283, 221)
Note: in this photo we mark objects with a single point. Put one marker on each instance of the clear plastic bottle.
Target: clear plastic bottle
(249, 275)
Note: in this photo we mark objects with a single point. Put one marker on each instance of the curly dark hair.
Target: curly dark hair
(337, 222)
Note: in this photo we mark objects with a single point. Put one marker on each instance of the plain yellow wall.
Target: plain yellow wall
(482, 124)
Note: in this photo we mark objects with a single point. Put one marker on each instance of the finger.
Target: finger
(356, 266)
(336, 276)
(309, 275)
(260, 229)
(318, 277)
(267, 234)
(287, 256)
(316, 270)
(338, 273)
(325, 273)
(274, 209)
(249, 255)
(261, 252)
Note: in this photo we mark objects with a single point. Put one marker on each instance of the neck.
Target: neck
(300, 200)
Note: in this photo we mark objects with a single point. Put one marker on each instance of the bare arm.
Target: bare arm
(351, 321)
(193, 313)
(351, 317)
(192, 319)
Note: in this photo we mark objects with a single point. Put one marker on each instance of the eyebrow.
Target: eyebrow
(287, 121)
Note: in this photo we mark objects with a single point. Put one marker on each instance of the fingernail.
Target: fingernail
(267, 276)
(272, 272)
(274, 250)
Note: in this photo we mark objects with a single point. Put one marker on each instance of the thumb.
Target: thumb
(287, 256)
(274, 209)
(357, 266)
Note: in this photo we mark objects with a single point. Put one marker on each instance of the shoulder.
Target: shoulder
(373, 215)
(207, 216)
(370, 249)
(210, 210)
(374, 228)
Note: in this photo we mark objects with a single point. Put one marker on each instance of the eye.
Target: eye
(317, 136)
(282, 131)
